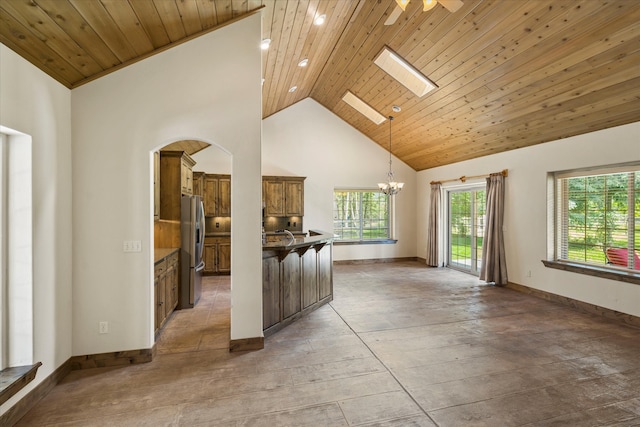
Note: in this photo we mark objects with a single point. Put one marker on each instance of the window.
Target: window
(597, 217)
(361, 215)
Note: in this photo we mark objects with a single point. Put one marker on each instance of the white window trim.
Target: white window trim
(392, 222)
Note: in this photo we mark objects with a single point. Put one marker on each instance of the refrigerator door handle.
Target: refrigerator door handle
(200, 266)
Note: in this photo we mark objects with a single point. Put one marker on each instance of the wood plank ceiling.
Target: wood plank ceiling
(510, 74)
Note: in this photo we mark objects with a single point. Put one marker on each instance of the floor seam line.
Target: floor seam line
(424, 411)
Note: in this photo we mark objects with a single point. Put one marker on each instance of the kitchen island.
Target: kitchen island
(297, 278)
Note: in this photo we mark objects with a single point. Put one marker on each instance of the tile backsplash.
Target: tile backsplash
(217, 224)
(292, 223)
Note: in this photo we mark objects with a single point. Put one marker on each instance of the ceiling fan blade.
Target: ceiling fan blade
(394, 16)
(451, 5)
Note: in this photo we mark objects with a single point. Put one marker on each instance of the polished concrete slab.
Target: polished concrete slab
(400, 345)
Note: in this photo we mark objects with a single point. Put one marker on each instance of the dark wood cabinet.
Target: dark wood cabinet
(217, 255)
(283, 195)
(217, 195)
(165, 287)
(270, 291)
(198, 184)
(295, 281)
(176, 179)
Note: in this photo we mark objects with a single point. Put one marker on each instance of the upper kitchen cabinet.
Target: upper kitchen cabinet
(217, 195)
(176, 179)
(198, 184)
(283, 195)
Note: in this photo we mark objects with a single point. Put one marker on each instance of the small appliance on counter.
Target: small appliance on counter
(192, 231)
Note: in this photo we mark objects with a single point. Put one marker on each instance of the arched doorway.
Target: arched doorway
(198, 170)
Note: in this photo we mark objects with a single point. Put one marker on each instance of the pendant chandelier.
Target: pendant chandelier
(390, 187)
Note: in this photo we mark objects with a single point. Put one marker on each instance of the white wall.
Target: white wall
(525, 227)
(308, 140)
(36, 105)
(207, 89)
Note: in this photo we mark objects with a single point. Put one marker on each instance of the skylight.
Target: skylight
(363, 108)
(404, 72)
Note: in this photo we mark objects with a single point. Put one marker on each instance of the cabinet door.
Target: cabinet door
(209, 256)
(198, 184)
(224, 257)
(224, 197)
(186, 175)
(160, 307)
(210, 195)
(274, 198)
(291, 285)
(294, 198)
(270, 292)
(156, 185)
(309, 278)
(325, 276)
(168, 291)
(155, 303)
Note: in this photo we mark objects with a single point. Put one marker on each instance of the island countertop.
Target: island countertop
(314, 238)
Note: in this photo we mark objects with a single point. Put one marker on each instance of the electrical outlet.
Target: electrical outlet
(104, 327)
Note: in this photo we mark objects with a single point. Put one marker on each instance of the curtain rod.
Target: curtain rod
(463, 178)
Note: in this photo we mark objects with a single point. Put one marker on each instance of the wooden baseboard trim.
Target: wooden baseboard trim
(116, 358)
(246, 344)
(578, 305)
(24, 405)
(374, 261)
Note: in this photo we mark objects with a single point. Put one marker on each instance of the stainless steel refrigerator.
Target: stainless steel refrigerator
(192, 264)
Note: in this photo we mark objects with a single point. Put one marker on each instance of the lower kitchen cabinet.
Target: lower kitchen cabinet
(165, 287)
(296, 280)
(217, 255)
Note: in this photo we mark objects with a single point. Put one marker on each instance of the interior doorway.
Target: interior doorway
(176, 326)
(465, 228)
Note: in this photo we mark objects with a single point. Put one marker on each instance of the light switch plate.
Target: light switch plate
(132, 246)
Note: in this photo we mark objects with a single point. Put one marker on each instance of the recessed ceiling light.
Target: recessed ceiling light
(264, 45)
(303, 63)
(404, 72)
(395, 108)
(293, 89)
(363, 108)
(320, 19)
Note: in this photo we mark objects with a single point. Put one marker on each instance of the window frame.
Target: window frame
(555, 221)
(472, 188)
(390, 214)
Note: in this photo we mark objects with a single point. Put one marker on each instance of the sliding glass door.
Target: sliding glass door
(466, 209)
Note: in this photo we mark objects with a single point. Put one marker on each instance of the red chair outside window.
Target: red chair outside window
(619, 256)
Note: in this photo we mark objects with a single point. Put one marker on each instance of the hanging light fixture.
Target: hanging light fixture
(390, 187)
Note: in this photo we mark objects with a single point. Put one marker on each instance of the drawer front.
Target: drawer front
(173, 258)
(160, 267)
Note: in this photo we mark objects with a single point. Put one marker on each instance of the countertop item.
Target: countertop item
(160, 253)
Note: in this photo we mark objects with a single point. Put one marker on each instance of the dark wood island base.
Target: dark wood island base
(297, 278)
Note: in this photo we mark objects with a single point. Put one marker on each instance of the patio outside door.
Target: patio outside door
(466, 210)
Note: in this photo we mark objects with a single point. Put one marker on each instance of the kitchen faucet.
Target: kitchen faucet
(289, 234)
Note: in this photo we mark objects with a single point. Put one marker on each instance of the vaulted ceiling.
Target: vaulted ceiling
(509, 73)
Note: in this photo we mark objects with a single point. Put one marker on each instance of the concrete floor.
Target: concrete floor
(400, 345)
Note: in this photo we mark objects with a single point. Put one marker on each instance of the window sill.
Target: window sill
(366, 242)
(12, 380)
(589, 270)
